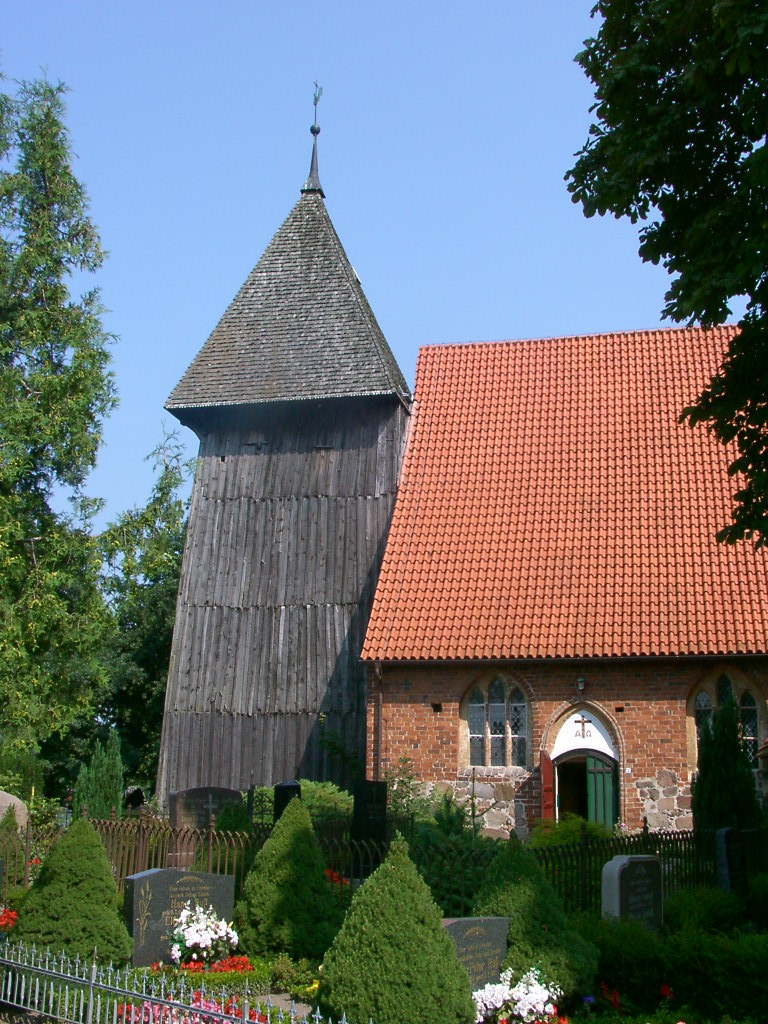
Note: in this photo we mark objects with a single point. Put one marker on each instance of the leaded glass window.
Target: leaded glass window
(702, 710)
(748, 721)
(497, 724)
(477, 728)
(518, 726)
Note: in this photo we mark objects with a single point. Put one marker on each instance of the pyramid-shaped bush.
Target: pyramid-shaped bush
(392, 960)
(288, 905)
(539, 932)
(72, 905)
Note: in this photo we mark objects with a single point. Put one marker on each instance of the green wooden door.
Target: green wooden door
(602, 790)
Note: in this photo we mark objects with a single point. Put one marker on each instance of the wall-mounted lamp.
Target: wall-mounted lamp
(580, 684)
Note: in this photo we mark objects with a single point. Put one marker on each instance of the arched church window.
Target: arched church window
(476, 722)
(702, 710)
(497, 723)
(748, 722)
(724, 690)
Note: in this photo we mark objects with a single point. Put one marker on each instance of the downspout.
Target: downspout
(379, 677)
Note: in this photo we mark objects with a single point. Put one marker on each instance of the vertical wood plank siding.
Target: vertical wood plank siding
(286, 532)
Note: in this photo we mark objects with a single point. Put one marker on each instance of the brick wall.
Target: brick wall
(645, 705)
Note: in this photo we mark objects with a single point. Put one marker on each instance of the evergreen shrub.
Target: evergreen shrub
(288, 905)
(713, 977)
(392, 960)
(539, 931)
(99, 786)
(11, 848)
(451, 857)
(723, 793)
(565, 831)
(631, 959)
(72, 905)
(706, 908)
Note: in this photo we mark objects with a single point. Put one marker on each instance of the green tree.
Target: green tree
(724, 792)
(392, 960)
(288, 905)
(99, 787)
(142, 554)
(678, 142)
(55, 390)
(73, 904)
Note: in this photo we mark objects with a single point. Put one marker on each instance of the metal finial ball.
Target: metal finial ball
(315, 129)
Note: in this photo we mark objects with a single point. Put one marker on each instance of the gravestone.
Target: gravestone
(369, 813)
(730, 860)
(284, 792)
(481, 945)
(631, 889)
(192, 809)
(155, 898)
(19, 807)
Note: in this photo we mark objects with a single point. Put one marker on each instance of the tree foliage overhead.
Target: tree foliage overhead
(55, 391)
(679, 143)
(142, 553)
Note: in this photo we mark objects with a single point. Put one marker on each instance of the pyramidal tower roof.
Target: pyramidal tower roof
(300, 328)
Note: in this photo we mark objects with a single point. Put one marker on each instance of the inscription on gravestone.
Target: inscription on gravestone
(631, 888)
(481, 945)
(191, 809)
(155, 898)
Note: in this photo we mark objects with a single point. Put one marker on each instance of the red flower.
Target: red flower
(666, 992)
(8, 919)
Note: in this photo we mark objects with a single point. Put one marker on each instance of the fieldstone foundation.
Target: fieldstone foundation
(666, 801)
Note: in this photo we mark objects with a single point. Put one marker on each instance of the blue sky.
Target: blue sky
(447, 129)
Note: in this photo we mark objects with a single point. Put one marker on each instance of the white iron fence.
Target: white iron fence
(71, 990)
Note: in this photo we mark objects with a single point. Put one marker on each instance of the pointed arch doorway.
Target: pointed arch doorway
(582, 776)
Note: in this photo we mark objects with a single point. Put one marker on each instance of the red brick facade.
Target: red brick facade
(645, 707)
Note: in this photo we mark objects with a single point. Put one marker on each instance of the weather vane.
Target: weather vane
(316, 99)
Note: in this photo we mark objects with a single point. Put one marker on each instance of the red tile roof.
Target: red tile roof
(552, 506)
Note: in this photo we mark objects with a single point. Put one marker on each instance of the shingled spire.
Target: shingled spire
(299, 328)
(302, 412)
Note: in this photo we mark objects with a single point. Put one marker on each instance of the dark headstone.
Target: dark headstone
(133, 797)
(155, 898)
(481, 945)
(194, 808)
(284, 793)
(730, 860)
(369, 814)
(631, 888)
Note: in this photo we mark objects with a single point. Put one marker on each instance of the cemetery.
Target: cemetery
(443, 923)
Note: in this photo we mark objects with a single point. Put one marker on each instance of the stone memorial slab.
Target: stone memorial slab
(283, 793)
(631, 888)
(730, 860)
(193, 808)
(369, 814)
(481, 945)
(155, 898)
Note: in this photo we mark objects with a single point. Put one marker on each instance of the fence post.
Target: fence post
(211, 829)
(89, 1010)
(27, 851)
(584, 901)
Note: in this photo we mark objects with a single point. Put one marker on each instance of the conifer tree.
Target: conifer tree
(392, 960)
(99, 785)
(72, 906)
(724, 794)
(288, 905)
(55, 390)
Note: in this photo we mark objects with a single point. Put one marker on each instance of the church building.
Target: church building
(553, 621)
